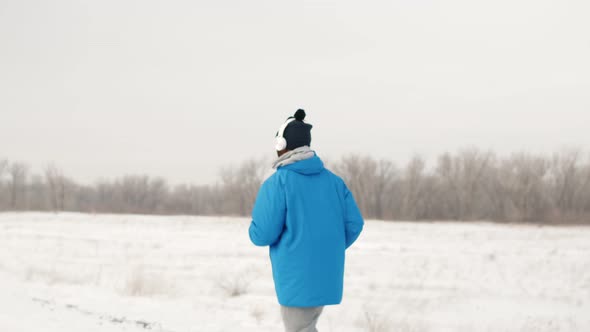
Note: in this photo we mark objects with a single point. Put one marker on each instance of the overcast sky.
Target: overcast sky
(180, 88)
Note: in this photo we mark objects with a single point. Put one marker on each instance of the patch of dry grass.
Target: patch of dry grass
(140, 282)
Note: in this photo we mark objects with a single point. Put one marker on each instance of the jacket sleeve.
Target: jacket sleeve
(353, 220)
(269, 213)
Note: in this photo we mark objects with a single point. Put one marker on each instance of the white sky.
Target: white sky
(180, 88)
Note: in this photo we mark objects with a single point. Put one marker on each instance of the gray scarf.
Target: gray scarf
(291, 157)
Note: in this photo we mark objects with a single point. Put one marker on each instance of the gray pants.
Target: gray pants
(300, 319)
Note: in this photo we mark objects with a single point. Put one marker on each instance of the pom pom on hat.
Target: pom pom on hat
(299, 115)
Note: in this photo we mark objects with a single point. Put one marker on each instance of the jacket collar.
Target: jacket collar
(301, 153)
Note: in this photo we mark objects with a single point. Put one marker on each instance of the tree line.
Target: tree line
(468, 185)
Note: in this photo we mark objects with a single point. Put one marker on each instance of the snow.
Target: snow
(83, 272)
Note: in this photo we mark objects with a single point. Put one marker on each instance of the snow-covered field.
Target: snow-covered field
(77, 272)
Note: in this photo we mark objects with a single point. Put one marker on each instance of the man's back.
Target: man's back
(308, 217)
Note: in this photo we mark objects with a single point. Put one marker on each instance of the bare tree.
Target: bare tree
(138, 194)
(413, 189)
(190, 199)
(3, 165)
(56, 182)
(372, 183)
(383, 181)
(523, 180)
(3, 193)
(563, 173)
(582, 194)
(18, 175)
(37, 193)
(357, 171)
(462, 174)
(241, 185)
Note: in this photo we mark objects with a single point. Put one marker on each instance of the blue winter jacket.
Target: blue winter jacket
(308, 217)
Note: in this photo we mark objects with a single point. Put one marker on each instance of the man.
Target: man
(308, 217)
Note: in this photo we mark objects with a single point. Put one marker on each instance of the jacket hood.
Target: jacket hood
(313, 165)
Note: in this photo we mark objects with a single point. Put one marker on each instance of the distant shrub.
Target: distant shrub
(374, 322)
(234, 286)
(141, 283)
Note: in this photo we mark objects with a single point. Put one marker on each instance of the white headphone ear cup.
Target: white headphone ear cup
(281, 144)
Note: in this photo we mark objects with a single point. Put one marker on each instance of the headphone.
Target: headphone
(281, 143)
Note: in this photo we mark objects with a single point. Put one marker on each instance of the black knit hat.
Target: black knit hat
(298, 133)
